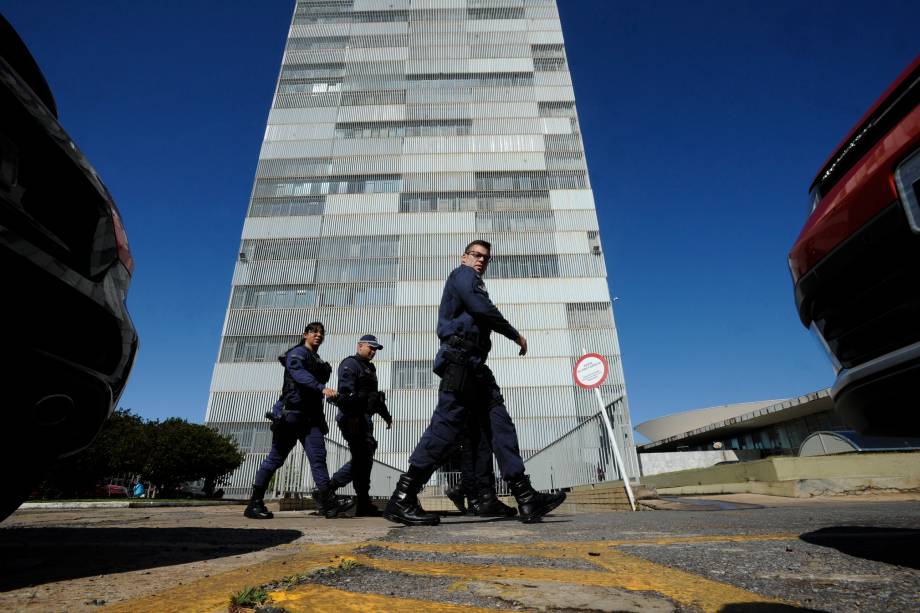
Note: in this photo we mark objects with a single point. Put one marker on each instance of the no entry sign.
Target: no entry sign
(591, 370)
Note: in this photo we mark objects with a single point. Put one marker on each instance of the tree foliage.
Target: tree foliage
(164, 453)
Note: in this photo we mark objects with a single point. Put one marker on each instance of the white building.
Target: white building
(401, 130)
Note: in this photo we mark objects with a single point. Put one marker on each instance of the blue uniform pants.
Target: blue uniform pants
(476, 471)
(480, 401)
(286, 434)
(359, 434)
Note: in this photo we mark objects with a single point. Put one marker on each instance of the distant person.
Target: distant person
(358, 401)
(298, 416)
(466, 319)
(138, 490)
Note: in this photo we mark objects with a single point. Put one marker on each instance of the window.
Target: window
(533, 180)
(514, 221)
(471, 79)
(362, 184)
(272, 297)
(412, 375)
(549, 64)
(557, 109)
(524, 266)
(287, 207)
(589, 315)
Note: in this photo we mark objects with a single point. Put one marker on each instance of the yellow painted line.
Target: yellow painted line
(213, 593)
(322, 599)
(626, 572)
(551, 549)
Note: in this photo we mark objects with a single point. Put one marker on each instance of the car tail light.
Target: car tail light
(121, 239)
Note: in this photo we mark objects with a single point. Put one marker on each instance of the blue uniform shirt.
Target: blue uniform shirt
(467, 311)
(307, 391)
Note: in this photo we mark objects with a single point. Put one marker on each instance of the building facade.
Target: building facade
(401, 130)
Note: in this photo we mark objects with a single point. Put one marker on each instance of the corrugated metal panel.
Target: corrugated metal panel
(398, 224)
(497, 25)
(304, 117)
(246, 377)
(283, 132)
(345, 204)
(274, 272)
(296, 149)
(576, 220)
(571, 199)
(367, 146)
(550, 94)
(572, 242)
(527, 372)
(378, 54)
(279, 227)
(419, 292)
(473, 144)
(319, 29)
(446, 66)
(551, 36)
(325, 56)
(388, 27)
(507, 64)
(383, 112)
(511, 291)
(503, 109)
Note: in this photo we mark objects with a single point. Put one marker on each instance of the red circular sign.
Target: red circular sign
(590, 371)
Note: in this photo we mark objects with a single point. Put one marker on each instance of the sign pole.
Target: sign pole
(621, 468)
(590, 372)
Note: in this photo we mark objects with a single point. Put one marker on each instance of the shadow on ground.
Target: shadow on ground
(33, 556)
(899, 546)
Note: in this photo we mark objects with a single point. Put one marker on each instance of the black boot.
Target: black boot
(456, 496)
(329, 505)
(488, 505)
(256, 508)
(403, 507)
(532, 504)
(365, 508)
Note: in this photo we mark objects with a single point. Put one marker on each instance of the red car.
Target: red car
(856, 264)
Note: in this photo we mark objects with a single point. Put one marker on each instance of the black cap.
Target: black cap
(371, 340)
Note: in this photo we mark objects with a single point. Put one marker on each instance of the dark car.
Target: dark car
(856, 264)
(68, 342)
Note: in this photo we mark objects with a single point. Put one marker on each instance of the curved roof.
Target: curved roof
(846, 441)
(703, 424)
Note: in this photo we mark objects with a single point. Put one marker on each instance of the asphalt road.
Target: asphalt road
(826, 556)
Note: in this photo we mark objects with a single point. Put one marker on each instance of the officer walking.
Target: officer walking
(466, 319)
(475, 494)
(298, 416)
(359, 399)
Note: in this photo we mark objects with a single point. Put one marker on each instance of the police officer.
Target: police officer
(298, 416)
(466, 319)
(359, 399)
(475, 494)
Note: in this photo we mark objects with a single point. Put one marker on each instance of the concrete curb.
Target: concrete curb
(123, 504)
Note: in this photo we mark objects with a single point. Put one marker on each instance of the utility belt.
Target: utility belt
(456, 369)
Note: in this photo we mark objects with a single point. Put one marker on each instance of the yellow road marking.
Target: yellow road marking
(626, 572)
(322, 599)
(213, 593)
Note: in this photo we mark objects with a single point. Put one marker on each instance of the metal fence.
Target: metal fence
(583, 455)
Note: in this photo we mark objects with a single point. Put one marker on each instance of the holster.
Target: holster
(454, 365)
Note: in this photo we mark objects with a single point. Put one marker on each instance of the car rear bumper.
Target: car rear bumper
(880, 396)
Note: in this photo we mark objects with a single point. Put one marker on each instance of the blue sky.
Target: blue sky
(704, 123)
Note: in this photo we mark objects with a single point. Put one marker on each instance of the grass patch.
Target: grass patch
(294, 580)
(247, 598)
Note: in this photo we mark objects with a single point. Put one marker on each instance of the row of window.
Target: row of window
(320, 247)
(543, 180)
(472, 201)
(287, 207)
(328, 185)
(396, 129)
(342, 14)
(365, 184)
(305, 296)
(471, 79)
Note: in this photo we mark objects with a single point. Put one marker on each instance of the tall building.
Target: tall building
(400, 130)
